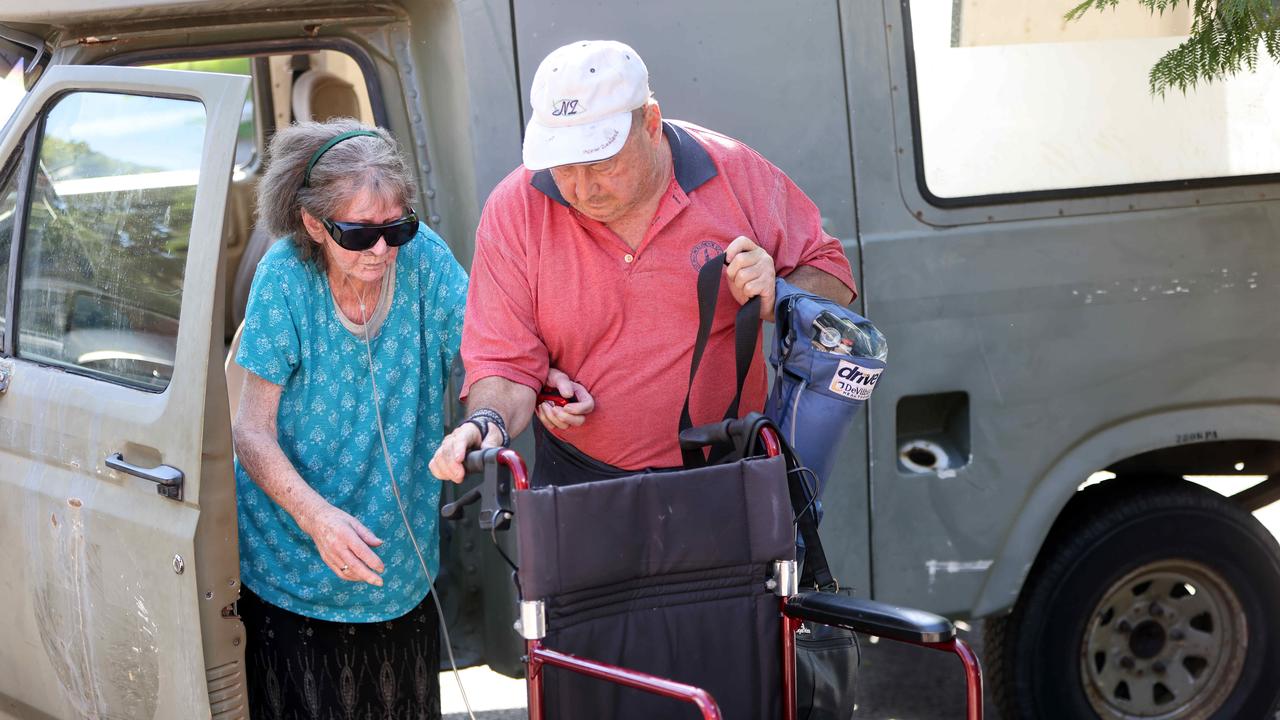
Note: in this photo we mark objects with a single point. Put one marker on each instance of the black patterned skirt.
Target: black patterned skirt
(300, 668)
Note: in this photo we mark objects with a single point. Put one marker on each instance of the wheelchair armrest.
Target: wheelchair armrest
(870, 617)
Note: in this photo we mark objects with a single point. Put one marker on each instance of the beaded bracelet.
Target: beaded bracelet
(483, 417)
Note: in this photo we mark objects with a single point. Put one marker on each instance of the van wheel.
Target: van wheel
(1159, 600)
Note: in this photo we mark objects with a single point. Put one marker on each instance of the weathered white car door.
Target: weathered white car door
(112, 186)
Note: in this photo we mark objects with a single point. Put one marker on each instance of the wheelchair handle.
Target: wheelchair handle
(726, 431)
(477, 461)
(502, 471)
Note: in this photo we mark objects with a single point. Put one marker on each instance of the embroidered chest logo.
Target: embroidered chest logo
(565, 108)
(703, 252)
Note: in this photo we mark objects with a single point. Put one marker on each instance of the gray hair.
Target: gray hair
(359, 163)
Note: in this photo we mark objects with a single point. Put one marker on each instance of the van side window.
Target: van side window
(1013, 99)
(105, 246)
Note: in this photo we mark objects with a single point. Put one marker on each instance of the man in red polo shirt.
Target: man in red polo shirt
(586, 265)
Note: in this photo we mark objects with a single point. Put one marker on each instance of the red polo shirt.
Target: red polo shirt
(552, 287)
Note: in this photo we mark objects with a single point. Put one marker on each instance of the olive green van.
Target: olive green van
(1078, 281)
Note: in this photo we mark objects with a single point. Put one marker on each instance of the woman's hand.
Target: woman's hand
(345, 545)
(573, 414)
(343, 542)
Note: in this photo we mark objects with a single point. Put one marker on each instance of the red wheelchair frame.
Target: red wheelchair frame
(793, 616)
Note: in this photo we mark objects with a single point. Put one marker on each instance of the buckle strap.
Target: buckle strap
(746, 335)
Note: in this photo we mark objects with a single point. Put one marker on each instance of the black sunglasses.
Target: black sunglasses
(362, 236)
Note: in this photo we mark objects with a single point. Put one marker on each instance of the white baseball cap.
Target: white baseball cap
(583, 95)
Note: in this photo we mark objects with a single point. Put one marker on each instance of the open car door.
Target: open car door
(117, 510)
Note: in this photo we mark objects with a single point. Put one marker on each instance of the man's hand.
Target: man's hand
(751, 274)
(573, 414)
(447, 462)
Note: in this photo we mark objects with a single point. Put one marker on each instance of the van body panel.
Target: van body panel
(104, 598)
(69, 13)
(1056, 329)
(464, 64)
(1056, 485)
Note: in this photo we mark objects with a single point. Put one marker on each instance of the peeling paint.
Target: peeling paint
(1215, 281)
(1070, 296)
(955, 566)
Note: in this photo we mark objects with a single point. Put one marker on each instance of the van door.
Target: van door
(112, 187)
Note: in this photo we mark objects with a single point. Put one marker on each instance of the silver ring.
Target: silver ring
(343, 568)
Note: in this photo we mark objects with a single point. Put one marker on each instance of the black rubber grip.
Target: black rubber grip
(453, 510)
(474, 462)
(704, 435)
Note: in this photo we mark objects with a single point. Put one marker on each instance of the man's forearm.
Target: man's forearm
(513, 401)
(819, 282)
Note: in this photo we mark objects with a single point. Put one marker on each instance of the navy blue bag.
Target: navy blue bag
(813, 401)
(816, 393)
(820, 382)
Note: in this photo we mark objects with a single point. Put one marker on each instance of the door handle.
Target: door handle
(168, 479)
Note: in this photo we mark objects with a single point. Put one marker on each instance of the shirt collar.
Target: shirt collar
(691, 162)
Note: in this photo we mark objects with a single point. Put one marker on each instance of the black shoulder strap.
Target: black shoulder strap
(815, 572)
(746, 333)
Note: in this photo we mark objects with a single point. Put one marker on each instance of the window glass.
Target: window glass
(1012, 99)
(106, 241)
(246, 137)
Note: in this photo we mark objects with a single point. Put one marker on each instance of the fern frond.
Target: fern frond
(1224, 39)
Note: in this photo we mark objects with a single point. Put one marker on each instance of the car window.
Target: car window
(246, 136)
(1013, 99)
(105, 243)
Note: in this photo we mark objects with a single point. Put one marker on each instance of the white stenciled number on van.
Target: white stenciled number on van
(854, 381)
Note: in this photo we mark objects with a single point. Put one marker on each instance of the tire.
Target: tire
(1149, 600)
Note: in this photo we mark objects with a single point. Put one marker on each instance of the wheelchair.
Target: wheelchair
(673, 595)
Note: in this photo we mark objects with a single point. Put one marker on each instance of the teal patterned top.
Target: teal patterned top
(327, 427)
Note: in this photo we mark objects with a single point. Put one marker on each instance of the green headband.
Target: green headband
(306, 176)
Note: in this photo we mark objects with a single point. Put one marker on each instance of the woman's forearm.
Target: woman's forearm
(262, 458)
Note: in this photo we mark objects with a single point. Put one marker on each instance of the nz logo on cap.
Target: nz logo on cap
(565, 108)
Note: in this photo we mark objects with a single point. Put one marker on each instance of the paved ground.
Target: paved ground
(896, 682)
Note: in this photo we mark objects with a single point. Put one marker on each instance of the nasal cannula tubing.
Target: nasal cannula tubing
(395, 489)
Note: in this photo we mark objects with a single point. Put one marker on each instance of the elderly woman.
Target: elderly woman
(353, 319)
